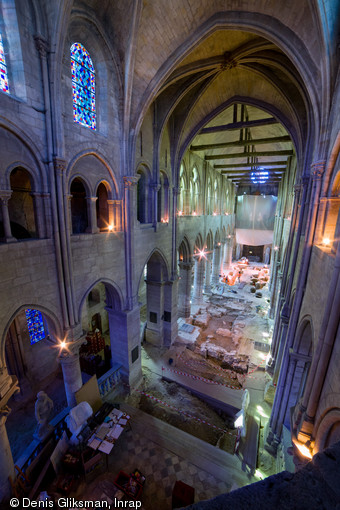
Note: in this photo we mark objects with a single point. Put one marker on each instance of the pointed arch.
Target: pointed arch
(54, 326)
(209, 243)
(198, 243)
(184, 250)
(114, 298)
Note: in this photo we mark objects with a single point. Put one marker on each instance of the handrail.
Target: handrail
(110, 380)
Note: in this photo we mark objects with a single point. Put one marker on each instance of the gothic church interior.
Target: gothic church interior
(151, 152)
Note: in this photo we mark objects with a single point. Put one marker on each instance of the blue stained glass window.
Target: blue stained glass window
(83, 86)
(3, 69)
(35, 325)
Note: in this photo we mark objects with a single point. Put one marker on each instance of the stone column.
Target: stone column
(224, 257)
(170, 326)
(38, 213)
(230, 242)
(280, 374)
(46, 199)
(184, 289)
(70, 364)
(207, 279)
(277, 277)
(112, 211)
(125, 343)
(227, 253)
(199, 208)
(197, 294)
(68, 198)
(130, 218)
(281, 342)
(174, 225)
(238, 253)
(155, 188)
(154, 308)
(115, 214)
(186, 202)
(65, 263)
(92, 215)
(216, 264)
(4, 197)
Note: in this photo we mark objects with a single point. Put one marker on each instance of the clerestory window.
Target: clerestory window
(83, 86)
(3, 69)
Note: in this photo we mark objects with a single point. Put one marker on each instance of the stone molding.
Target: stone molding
(42, 45)
(317, 169)
(60, 165)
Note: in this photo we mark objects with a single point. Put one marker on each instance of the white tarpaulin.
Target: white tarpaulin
(255, 216)
(253, 237)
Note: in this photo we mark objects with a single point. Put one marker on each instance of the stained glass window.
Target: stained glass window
(3, 69)
(35, 325)
(83, 85)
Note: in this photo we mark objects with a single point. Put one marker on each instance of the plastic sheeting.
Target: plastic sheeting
(253, 237)
(255, 216)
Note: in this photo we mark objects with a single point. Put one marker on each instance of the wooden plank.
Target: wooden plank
(239, 125)
(246, 173)
(250, 154)
(241, 143)
(259, 164)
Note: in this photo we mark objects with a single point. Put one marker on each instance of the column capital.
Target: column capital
(131, 180)
(71, 351)
(304, 180)
(317, 169)
(176, 190)
(155, 186)
(92, 199)
(185, 265)
(41, 44)
(297, 188)
(59, 165)
(5, 195)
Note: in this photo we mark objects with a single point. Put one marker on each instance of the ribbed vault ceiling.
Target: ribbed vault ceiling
(232, 68)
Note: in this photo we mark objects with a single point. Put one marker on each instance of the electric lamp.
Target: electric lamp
(304, 449)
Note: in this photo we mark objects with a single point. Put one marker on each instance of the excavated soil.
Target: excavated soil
(182, 400)
(228, 328)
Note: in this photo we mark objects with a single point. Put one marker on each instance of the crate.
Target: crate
(129, 485)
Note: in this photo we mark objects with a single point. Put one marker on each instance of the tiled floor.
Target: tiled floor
(161, 468)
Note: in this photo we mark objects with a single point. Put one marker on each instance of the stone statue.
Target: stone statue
(43, 411)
